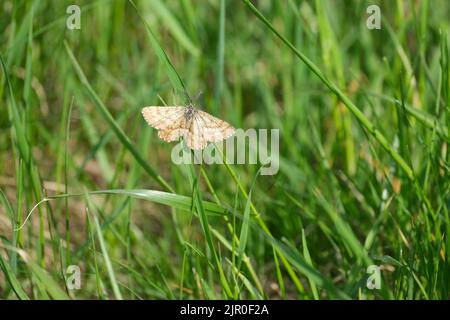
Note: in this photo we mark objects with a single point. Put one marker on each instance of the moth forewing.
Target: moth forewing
(162, 117)
(214, 129)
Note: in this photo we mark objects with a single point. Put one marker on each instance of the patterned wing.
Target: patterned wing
(163, 118)
(205, 128)
(214, 129)
(169, 121)
(174, 134)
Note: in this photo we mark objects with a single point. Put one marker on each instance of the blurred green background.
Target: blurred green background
(364, 126)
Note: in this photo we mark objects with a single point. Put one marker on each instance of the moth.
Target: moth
(196, 127)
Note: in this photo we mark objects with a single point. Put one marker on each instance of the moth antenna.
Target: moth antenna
(199, 95)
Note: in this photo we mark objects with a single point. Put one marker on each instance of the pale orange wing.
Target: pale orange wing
(205, 128)
(214, 129)
(162, 117)
(169, 121)
(173, 134)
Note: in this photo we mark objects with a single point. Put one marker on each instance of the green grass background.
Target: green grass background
(364, 125)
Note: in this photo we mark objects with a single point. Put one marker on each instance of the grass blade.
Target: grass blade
(107, 260)
(12, 280)
(113, 124)
(174, 77)
(363, 120)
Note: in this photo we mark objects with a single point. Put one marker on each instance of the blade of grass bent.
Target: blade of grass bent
(165, 198)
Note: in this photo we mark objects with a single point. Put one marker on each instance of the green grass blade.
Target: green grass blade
(174, 77)
(198, 203)
(363, 120)
(309, 260)
(12, 280)
(15, 117)
(106, 258)
(243, 237)
(220, 58)
(47, 282)
(174, 26)
(113, 124)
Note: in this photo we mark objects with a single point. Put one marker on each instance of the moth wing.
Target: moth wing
(175, 130)
(163, 118)
(213, 129)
